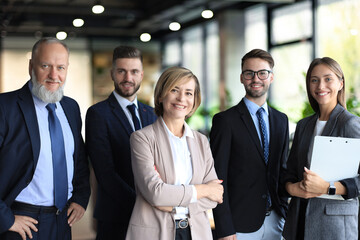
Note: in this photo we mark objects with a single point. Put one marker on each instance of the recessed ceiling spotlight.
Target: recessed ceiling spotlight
(98, 8)
(78, 22)
(61, 35)
(207, 14)
(174, 26)
(145, 37)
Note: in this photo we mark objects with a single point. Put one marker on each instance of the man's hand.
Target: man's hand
(23, 226)
(75, 213)
(231, 237)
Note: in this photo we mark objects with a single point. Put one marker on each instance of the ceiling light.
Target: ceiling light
(145, 37)
(78, 22)
(98, 8)
(207, 14)
(174, 26)
(61, 35)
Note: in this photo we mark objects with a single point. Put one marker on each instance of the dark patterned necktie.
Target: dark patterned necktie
(263, 133)
(265, 143)
(58, 157)
(135, 119)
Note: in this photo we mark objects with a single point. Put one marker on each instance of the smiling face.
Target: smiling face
(324, 86)
(127, 74)
(179, 101)
(49, 65)
(256, 89)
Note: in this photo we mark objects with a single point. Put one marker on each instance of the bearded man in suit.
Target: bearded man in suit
(109, 125)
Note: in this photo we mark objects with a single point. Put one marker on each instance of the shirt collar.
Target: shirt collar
(253, 107)
(123, 101)
(187, 133)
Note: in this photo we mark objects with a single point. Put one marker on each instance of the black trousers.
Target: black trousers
(111, 230)
(183, 234)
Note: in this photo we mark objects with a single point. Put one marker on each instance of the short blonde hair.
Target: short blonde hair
(168, 80)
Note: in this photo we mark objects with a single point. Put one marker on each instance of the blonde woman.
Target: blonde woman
(173, 167)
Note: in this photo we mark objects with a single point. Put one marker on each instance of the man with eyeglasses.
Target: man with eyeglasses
(249, 143)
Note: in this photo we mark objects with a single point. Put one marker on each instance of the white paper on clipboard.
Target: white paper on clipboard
(335, 158)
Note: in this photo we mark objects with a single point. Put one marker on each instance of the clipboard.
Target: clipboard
(335, 158)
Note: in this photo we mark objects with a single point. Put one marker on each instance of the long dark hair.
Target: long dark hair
(334, 67)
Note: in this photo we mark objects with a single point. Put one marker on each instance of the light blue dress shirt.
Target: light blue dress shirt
(253, 107)
(40, 191)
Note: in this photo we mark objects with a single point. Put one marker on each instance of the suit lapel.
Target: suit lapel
(249, 123)
(307, 139)
(144, 115)
(27, 107)
(194, 153)
(167, 161)
(331, 123)
(119, 113)
(71, 119)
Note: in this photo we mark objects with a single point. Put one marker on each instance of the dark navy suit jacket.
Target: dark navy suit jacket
(239, 161)
(108, 143)
(20, 147)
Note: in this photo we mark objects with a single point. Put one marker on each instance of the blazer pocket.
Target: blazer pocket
(349, 208)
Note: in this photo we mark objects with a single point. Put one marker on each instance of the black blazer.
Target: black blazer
(20, 147)
(108, 143)
(239, 161)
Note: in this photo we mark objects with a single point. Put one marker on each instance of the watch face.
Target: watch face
(332, 190)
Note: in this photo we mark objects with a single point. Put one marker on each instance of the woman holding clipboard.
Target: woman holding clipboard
(310, 217)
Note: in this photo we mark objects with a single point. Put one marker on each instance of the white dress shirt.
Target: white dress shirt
(123, 104)
(183, 164)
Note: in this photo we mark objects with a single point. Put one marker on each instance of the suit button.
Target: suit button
(264, 196)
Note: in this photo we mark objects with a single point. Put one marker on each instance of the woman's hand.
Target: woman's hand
(314, 183)
(295, 189)
(212, 190)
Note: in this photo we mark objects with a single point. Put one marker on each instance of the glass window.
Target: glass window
(255, 28)
(193, 55)
(288, 90)
(338, 32)
(213, 63)
(172, 54)
(292, 23)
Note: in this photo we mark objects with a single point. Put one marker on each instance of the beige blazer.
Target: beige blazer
(150, 148)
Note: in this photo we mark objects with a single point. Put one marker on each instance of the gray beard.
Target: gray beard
(43, 94)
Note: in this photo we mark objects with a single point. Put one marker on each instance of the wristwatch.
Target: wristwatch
(332, 189)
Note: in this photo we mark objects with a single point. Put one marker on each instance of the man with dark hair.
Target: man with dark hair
(249, 143)
(44, 172)
(109, 125)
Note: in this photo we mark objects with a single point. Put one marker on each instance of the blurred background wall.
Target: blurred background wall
(294, 32)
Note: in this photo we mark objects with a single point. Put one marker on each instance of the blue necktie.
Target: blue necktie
(263, 133)
(265, 144)
(135, 119)
(58, 157)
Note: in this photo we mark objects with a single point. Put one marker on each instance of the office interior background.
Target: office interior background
(293, 31)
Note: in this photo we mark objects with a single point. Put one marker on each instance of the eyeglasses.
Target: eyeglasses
(261, 74)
